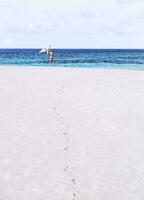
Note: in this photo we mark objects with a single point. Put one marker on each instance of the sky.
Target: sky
(72, 23)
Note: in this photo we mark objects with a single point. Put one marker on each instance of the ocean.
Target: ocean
(90, 58)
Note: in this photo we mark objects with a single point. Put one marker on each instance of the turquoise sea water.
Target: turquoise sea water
(91, 58)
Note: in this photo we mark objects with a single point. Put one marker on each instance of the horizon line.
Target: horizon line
(71, 48)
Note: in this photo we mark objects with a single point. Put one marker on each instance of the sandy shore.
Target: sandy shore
(71, 134)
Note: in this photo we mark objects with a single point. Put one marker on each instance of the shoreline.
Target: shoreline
(69, 68)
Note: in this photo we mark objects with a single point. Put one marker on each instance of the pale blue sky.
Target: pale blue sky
(72, 23)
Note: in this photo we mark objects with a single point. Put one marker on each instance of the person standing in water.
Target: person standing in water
(50, 52)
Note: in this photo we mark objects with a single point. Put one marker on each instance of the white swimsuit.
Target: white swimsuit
(51, 54)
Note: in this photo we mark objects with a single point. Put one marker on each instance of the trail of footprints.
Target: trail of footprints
(66, 135)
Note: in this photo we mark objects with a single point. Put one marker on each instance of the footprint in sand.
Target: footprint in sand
(73, 181)
(66, 168)
(66, 148)
(75, 195)
(65, 133)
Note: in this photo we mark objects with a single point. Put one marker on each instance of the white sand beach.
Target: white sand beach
(71, 134)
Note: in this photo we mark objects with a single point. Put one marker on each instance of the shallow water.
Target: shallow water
(91, 58)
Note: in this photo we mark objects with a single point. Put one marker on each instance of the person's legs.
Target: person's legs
(51, 60)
